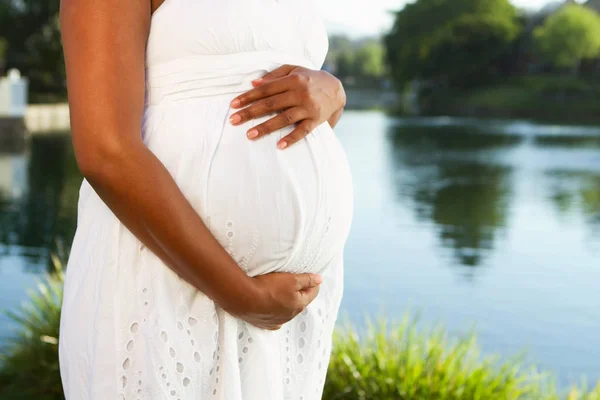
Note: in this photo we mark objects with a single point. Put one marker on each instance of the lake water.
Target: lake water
(491, 225)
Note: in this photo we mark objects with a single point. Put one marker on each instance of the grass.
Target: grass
(395, 362)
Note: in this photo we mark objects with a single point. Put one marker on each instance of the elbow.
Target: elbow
(100, 162)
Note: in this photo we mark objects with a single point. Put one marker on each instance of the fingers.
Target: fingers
(309, 295)
(286, 118)
(301, 131)
(271, 88)
(264, 106)
(308, 281)
(268, 89)
(269, 327)
(276, 73)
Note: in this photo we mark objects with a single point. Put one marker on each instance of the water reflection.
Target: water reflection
(576, 191)
(568, 141)
(450, 137)
(450, 175)
(13, 185)
(38, 205)
(462, 176)
(12, 176)
(510, 203)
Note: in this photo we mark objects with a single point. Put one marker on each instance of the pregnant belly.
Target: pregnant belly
(272, 210)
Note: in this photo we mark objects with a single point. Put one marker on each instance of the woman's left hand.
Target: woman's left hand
(299, 95)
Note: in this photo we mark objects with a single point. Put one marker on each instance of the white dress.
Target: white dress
(131, 328)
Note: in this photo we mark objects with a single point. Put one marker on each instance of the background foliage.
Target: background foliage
(364, 60)
(455, 43)
(31, 30)
(570, 36)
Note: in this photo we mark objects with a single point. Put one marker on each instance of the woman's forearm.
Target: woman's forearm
(106, 85)
(143, 195)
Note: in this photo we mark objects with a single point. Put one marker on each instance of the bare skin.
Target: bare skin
(104, 45)
(302, 97)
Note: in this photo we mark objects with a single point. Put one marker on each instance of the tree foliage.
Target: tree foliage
(569, 36)
(32, 31)
(362, 59)
(370, 60)
(452, 42)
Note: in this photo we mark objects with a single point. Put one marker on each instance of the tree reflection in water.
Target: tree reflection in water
(46, 211)
(450, 175)
(576, 191)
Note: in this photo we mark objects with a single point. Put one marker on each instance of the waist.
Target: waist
(209, 75)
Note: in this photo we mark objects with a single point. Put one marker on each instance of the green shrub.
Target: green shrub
(390, 363)
(401, 363)
(29, 362)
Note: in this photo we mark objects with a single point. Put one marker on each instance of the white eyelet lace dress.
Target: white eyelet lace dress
(131, 328)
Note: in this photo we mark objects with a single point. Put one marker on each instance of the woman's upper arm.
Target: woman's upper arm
(104, 45)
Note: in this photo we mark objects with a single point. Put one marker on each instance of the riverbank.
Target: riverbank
(554, 99)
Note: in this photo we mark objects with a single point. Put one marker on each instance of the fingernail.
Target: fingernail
(252, 133)
(282, 145)
(257, 81)
(318, 279)
(235, 103)
(234, 119)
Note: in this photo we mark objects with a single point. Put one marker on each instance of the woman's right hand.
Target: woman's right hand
(281, 296)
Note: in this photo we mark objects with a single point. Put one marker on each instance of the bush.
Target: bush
(389, 363)
(401, 363)
(29, 362)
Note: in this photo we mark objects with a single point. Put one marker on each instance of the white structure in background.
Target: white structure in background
(39, 118)
(47, 118)
(13, 95)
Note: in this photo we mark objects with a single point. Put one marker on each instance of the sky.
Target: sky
(371, 17)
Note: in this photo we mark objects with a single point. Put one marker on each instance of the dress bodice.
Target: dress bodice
(200, 48)
(184, 28)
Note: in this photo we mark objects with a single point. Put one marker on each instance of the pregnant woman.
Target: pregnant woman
(207, 262)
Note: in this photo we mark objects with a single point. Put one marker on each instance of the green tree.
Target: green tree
(370, 60)
(31, 29)
(346, 63)
(44, 62)
(362, 59)
(340, 55)
(569, 36)
(450, 42)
